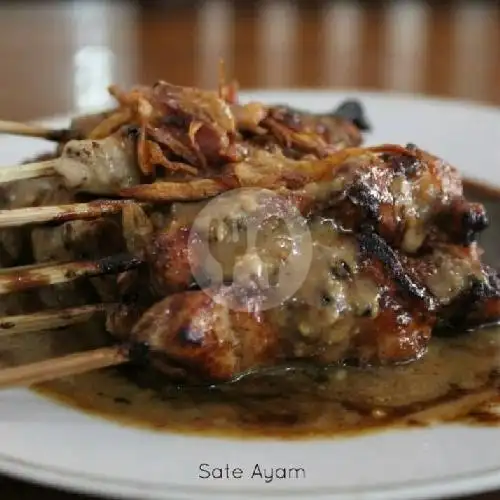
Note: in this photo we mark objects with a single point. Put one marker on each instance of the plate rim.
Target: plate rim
(454, 485)
(375, 93)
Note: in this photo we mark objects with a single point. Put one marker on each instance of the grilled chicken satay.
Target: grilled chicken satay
(411, 197)
(301, 133)
(220, 343)
(342, 291)
(104, 166)
(194, 332)
(197, 331)
(100, 167)
(15, 247)
(360, 300)
(466, 290)
(74, 241)
(413, 209)
(187, 130)
(439, 276)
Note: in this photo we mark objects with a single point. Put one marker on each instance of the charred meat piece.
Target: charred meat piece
(78, 240)
(463, 221)
(450, 280)
(477, 306)
(15, 243)
(467, 290)
(211, 340)
(410, 197)
(300, 133)
(178, 249)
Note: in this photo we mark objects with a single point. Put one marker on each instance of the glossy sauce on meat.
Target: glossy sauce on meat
(453, 380)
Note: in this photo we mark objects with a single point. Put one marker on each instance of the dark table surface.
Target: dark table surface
(60, 57)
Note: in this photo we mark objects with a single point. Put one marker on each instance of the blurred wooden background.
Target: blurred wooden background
(59, 57)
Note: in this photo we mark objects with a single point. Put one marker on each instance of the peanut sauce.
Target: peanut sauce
(457, 379)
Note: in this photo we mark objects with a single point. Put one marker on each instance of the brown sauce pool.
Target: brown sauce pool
(457, 379)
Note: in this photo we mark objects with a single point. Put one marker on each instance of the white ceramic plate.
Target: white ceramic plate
(45, 442)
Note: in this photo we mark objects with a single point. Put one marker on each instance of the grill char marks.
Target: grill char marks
(464, 221)
(474, 303)
(413, 199)
(403, 163)
(372, 245)
(475, 307)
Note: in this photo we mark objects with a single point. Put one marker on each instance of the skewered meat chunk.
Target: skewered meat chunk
(301, 133)
(105, 166)
(442, 278)
(15, 247)
(445, 269)
(75, 240)
(216, 342)
(98, 166)
(15, 243)
(405, 193)
(78, 240)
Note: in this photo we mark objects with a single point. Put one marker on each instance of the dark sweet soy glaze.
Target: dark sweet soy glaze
(455, 380)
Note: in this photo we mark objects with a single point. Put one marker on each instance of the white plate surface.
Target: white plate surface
(46, 442)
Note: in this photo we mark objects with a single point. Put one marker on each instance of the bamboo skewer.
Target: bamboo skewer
(27, 277)
(28, 171)
(28, 130)
(64, 366)
(60, 213)
(45, 320)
